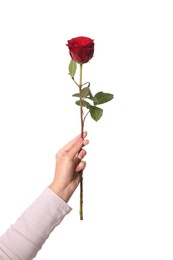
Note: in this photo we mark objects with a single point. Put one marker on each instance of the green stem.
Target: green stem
(82, 129)
(85, 116)
(75, 82)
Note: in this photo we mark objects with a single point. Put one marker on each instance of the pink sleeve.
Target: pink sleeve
(25, 238)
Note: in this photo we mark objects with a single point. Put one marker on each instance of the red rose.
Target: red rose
(81, 49)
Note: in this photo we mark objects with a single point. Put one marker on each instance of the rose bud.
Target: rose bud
(81, 49)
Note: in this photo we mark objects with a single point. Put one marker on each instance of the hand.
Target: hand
(69, 166)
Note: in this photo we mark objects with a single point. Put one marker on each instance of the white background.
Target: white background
(128, 184)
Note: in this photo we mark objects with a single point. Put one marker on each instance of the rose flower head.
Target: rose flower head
(81, 49)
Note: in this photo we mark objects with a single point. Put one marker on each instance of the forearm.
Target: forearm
(25, 238)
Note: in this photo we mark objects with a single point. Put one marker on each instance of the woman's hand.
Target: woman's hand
(69, 165)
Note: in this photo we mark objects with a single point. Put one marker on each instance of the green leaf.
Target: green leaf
(96, 112)
(84, 103)
(102, 97)
(72, 68)
(76, 95)
(84, 93)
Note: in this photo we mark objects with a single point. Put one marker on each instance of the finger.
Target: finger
(77, 139)
(81, 154)
(81, 166)
(85, 142)
(75, 149)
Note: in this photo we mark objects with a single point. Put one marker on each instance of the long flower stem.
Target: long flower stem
(82, 129)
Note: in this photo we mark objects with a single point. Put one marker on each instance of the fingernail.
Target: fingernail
(85, 133)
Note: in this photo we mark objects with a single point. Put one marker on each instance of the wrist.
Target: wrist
(63, 193)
